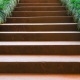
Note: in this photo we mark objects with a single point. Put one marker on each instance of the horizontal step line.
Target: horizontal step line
(41, 17)
(39, 32)
(39, 58)
(39, 24)
(41, 11)
(17, 43)
(38, 6)
(38, 3)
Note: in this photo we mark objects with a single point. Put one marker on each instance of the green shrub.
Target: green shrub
(73, 7)
(6, 7)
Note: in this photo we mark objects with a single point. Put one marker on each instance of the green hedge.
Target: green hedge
(73, 7)
(6, 7)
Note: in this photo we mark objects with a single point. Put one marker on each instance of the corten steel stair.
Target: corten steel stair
(41, 41)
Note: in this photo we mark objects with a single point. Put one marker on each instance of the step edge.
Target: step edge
(38, 6)
(39, 32)
(33, 58)
(39, 43)
(39, 24)
(41, 11)
(39, 3)
(42, 17)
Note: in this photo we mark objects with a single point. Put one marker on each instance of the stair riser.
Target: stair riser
(40, 68)
(39, 1)
(39, 8)
(61, 19)
(41, 37)
(31, 14)
(40, 50)
(38, 4)
(38, 27)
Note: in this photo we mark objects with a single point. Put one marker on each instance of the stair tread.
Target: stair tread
(39, 24)
(39, 6)
(27, 43)
(45, 17)
(39, 3)
(39, 32)
(39, 58)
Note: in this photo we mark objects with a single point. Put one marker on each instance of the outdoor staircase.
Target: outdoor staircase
(39, 42)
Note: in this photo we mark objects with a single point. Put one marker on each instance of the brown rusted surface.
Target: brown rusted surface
(40, 50)
(39, 1)
(33, 13)
(40, 37)
(39, 4)
(13, 27)
(39, 8)
(40, 67)
(57, 19)
(35, 17)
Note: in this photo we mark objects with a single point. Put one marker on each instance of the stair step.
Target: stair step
(39, 77)
(40, 38)
(38, 13)
(58, 36)
(39, 27)
(39, 1)
(39, 58)
(40, 48)
(39, 4)
(40, 67)
(40, 8)
(45, 19)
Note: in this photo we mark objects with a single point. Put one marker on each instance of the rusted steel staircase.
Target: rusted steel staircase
(40, 38)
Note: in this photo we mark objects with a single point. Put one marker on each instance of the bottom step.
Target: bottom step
(39, 77)
(40, 67)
